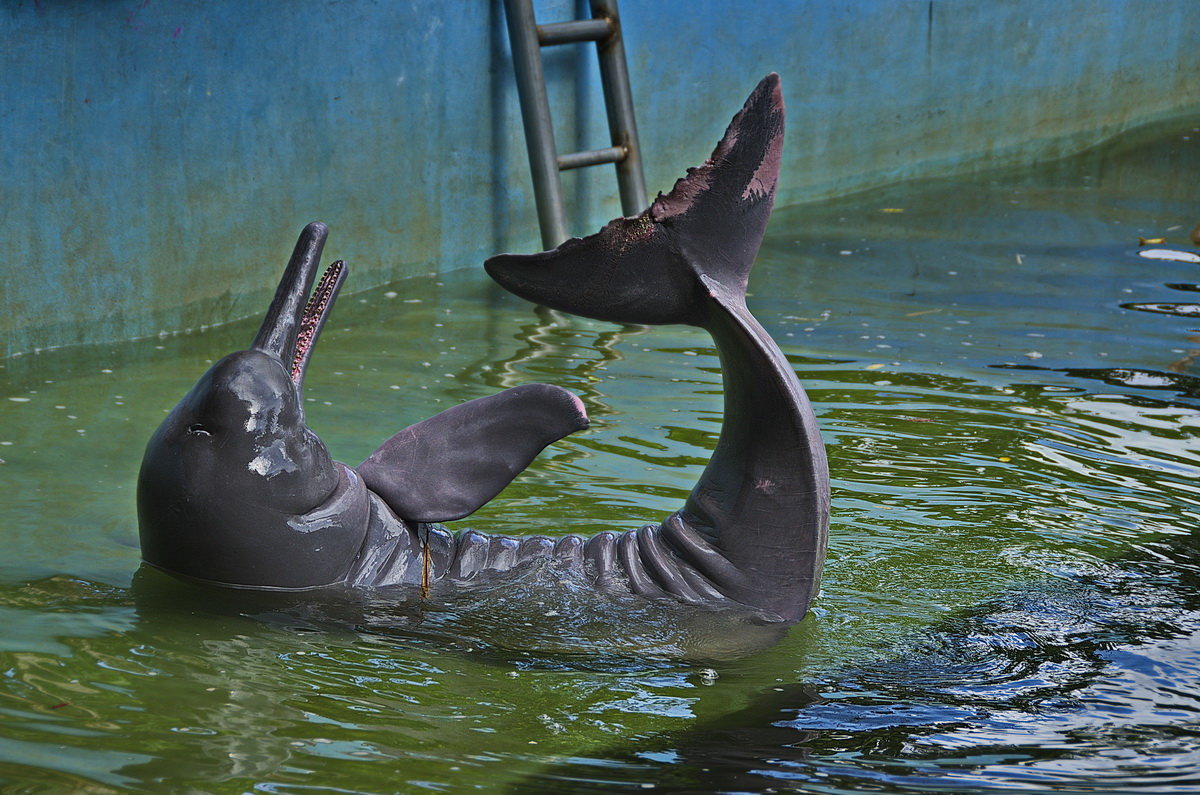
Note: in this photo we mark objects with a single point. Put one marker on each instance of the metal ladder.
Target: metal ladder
(527, 38)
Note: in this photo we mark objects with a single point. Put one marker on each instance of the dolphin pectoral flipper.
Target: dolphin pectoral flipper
(449, 465)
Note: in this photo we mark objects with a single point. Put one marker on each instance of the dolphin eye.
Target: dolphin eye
(196, 429)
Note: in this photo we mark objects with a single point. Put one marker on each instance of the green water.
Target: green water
(1010, 599)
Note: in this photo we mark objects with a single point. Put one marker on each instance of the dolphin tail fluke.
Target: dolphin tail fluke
(656, 268)
(757, 520)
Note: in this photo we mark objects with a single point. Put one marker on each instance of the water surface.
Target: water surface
(1010, 399)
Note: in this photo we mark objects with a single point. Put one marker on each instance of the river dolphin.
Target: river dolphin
(236, 490)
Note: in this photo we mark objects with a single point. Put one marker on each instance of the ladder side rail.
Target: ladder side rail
(618, 101)
(535, 116)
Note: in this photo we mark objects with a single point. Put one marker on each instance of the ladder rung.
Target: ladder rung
(573, 32)
(593, 157)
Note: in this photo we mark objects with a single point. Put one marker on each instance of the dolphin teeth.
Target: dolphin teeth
(314, 315)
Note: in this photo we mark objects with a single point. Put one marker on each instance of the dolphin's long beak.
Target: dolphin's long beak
(294, 320)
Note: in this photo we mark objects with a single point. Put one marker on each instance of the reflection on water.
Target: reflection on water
(1179, 310)
(1009, 395)
(1083, 682)
(1172, 381)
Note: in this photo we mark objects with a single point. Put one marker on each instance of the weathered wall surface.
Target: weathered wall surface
(158, 159)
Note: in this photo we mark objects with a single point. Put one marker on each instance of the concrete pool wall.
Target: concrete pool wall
(158, 159)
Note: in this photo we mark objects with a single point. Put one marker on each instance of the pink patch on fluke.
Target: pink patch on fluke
(767, 174)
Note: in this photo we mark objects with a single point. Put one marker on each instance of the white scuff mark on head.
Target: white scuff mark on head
(259, 465)
(262, 408)
(272, 460)
(254, 414)
(260, 415)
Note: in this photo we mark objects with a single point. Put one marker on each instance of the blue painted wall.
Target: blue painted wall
(157, 159)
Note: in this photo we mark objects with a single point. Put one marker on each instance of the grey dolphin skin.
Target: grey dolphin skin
(235, 490)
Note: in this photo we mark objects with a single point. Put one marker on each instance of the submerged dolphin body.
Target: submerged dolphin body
(235, 489)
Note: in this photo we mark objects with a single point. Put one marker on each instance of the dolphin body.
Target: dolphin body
(236, 491)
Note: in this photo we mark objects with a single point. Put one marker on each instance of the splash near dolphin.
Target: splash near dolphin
(235, 490)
